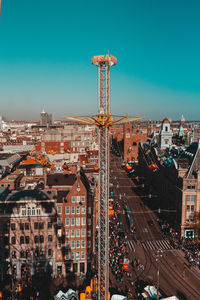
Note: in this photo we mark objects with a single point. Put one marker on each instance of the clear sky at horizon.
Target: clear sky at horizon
(46, 48)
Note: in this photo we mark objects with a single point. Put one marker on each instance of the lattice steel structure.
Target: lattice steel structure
(104, 64)
(103, 120)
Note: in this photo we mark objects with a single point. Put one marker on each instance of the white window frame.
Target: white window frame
(72, 244)
(72, 221)
(83, 232)
(82, 198)
(83, 210)
(67, 233)
(82, 254)
(59, 210)
(78, 244)
(67, 222)
(67, 210)
(82, 243)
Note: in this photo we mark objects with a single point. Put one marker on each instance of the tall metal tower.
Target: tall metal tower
(103, 120)
(104, 117)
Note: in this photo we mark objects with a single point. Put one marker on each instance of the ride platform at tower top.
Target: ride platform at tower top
(104, 59)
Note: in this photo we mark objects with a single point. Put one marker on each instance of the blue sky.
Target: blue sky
(46, 48)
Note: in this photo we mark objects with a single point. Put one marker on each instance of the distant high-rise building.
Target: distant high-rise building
(46, 119)
(1, 125)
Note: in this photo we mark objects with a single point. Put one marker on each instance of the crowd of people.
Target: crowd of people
(189, 246)
(119, 263)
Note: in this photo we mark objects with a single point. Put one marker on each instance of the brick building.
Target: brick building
(74, 221)
(27, 233)
(175, 182)
(132, 137)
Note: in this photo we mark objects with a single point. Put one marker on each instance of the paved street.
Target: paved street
(176, 277)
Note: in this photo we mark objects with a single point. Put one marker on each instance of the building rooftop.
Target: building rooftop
(60, 179)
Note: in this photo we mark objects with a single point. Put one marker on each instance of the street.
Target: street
(148, 244)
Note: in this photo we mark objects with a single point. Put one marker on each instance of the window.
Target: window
(72, 255)
(72, 221)
(89, 244)
(73, 210)
(49, 252)
(23, 212)
(188, 208)
(192, 208)
(21, 226)
(67, 221)
(73, 233)
(38, 212)
(77, 244)
(89, 233)
(29, 211)
(27, 239)
(49, 225)
(89, 210)
(191, 218)
(83, 232)
(67, 233)
(21, 240)
(67, 245)
(77, 221)
(190, 198)
(13, 240)
(67, 210)
(78, 210)
(83, 210)
(49, 238)
(22, 254)
(77, 232)
(59, 244)
(77, 255)
(59, 221)
(78, 199)
(82, 198)
(83, 244)
(82, 255)
(83, 221)
(26, 226)
(89, 221)
(13, 227)
(33, 211)
(73, 199)
(166, 128)
(14, 254)
(59, 210)
(41, 225)
(36, 239)
(72, 244)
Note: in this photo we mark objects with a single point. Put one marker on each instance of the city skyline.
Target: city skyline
(45, 53)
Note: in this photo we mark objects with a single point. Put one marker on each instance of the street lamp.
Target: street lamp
(158, 258)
